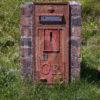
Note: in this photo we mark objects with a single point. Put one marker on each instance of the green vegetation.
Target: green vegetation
(11, 85)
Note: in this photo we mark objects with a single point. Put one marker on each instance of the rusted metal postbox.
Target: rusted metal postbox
(50, 41)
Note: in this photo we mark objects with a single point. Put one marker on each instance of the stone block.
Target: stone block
(76, 21)
(26, 31)
(26, 42)
(26, 21)
(27, 9)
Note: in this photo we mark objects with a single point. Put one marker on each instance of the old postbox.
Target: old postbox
(50, 41)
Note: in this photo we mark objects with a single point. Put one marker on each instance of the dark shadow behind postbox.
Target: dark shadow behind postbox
(50, 41)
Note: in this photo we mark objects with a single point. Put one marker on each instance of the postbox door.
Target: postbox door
(50, 57)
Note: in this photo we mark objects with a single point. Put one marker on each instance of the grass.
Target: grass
(13, 88)
(11, 85)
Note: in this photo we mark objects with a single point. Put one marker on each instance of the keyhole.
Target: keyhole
(50, 36)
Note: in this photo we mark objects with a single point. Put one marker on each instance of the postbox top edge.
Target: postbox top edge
(49, 3)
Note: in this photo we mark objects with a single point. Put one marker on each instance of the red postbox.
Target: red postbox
(49, 40)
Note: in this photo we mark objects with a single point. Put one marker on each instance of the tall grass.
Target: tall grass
(13, 88)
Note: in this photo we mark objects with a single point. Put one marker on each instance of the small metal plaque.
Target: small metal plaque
(51, 19)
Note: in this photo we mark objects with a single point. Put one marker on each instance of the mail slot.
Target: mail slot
(51, 19)
(50, 41)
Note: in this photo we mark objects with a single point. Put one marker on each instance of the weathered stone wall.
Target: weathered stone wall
(26, 48)
(75, 40)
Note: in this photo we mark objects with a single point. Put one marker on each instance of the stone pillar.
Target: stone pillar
(26, 48)
(75, 39)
